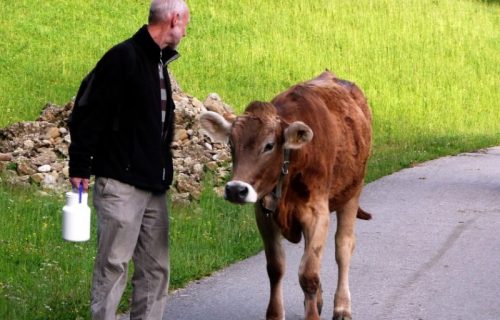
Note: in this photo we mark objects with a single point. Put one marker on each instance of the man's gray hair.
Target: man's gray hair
(161, 9)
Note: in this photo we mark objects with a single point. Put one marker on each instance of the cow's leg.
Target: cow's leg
(344, 246)
(275, 256)
(315, 227)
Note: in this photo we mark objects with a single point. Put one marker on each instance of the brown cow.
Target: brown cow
(299, 158)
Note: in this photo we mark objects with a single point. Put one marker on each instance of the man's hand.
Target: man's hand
(76, 181)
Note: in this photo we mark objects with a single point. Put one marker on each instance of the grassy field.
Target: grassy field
(430, 70)
(43, 277)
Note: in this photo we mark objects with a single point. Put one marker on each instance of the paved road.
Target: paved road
(432, 251)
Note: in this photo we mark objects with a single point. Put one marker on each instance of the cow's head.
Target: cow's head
(257, 140)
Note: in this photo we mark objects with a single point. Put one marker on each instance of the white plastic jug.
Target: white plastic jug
(76, 217)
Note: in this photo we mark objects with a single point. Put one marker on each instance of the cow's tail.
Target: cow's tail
(363, 215)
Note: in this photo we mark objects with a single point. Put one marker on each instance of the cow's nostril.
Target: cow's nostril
(229, 193)
(237, 192)
(242, 192)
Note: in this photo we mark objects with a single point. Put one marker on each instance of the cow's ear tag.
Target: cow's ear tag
(297, 135)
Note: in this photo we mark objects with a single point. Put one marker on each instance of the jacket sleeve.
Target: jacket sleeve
(91, 118)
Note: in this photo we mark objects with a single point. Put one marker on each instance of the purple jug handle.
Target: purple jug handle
(80, 191)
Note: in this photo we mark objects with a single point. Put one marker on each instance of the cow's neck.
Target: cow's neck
(271, 201)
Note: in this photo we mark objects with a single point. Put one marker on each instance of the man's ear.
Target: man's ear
(297, 135)
(173, 21)
(215, 126)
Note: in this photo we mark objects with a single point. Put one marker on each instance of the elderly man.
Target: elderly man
(121, 130)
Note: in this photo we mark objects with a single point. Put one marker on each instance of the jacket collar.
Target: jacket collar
(143, 38)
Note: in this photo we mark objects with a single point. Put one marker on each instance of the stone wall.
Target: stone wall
(36, 152)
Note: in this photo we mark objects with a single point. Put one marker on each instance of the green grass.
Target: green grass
(210, 236)
(40, 274)
(429, 68)
(44, 277)
(47, 47)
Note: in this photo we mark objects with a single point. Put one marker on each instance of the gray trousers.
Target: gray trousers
(132, 224)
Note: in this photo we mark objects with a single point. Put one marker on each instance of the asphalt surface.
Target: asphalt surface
(432, 251)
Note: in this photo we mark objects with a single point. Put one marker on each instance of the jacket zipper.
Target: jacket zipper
(168, 119)
(164, 124)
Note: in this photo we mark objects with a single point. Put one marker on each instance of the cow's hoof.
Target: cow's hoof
(341, 318)
(274, 316)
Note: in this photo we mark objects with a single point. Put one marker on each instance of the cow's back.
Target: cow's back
(337, 112)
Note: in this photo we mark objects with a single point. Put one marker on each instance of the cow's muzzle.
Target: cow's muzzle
(240, 192)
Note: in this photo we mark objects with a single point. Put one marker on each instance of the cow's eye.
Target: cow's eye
(268, 147)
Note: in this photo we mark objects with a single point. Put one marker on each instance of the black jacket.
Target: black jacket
(116, 131)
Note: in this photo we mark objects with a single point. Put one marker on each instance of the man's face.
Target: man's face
(179, 30)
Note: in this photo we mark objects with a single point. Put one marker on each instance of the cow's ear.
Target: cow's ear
(297, 135)
(215, 126)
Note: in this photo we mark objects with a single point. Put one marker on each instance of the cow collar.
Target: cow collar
(270, 201)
